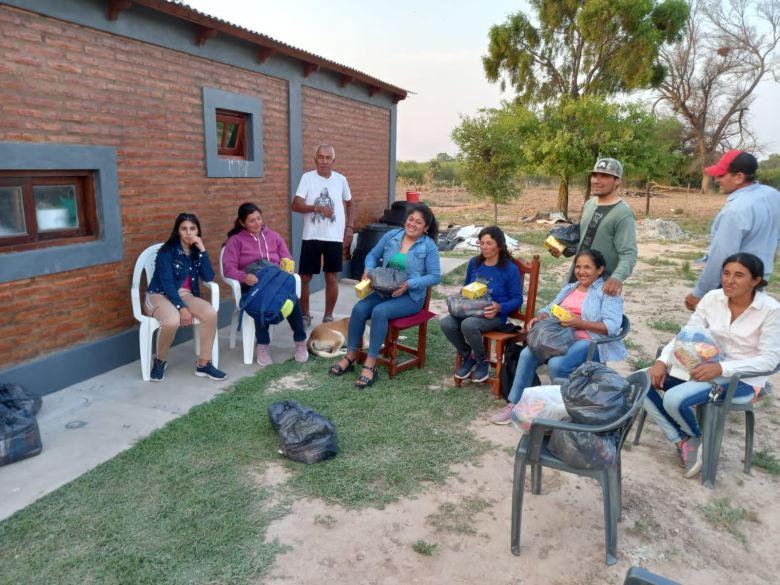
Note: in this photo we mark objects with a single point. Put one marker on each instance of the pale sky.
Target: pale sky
(432, 48)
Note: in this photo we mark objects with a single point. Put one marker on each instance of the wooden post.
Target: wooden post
(647, 199)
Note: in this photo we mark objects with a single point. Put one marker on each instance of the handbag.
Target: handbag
(461, 307)
(385, 281)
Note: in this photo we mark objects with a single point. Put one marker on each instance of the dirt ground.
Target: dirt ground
(671, 525)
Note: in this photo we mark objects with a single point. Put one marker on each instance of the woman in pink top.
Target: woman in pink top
(248, 242)
(595, 314)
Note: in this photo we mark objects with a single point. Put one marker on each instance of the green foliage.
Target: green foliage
(440, 171)
(769, 171)
(576, 48)
(665, 325)
(459, 518)
(424, 548)
(721, 514)
(767, 461)
(491, 151)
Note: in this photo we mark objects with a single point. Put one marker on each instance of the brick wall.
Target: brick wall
(63, 83)
(360, 133)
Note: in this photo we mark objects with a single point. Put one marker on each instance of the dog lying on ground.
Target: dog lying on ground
(329, 340)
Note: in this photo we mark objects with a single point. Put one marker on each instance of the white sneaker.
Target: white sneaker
(504, 416)
(263, 357)
(301, 352)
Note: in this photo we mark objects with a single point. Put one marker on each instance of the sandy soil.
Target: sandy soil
(664, 526)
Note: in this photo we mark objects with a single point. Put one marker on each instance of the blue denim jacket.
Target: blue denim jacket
(423, 269)
(598, 306)
(171, 268)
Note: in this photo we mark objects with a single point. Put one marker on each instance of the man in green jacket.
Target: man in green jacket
(608, 225)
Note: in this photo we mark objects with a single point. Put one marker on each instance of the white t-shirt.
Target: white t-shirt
(330, 192)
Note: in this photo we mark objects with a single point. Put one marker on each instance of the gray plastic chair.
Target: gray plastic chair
(712, 421)
(532, 450)
(640, 576)
(625, 327)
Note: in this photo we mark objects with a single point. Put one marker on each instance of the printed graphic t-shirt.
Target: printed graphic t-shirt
(330, 192)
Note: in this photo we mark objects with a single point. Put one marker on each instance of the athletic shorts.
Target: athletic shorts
(316, 254)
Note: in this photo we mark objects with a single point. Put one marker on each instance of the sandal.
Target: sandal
(337, 370)
(364, 382)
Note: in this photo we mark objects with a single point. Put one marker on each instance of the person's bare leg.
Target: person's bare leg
(305, 280)
(331, 293)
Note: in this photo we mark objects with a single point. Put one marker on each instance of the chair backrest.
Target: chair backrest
(144, 266)
(529, 270)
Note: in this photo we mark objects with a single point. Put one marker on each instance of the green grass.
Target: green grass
(631, 344)
(424, 548)
(640, 362)
(455, 277)
(657, 261)
(685, 272)
(767, 461)
(720, 513)
(665, 325)
(459, 518)
(185, 504)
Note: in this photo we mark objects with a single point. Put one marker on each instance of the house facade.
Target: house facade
(115, 116)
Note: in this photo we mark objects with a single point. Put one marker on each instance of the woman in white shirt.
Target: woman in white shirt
(745, 324)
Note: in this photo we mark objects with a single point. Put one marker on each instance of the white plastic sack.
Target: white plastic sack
(538, 402)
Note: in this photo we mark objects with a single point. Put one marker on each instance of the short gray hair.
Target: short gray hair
(328, 146)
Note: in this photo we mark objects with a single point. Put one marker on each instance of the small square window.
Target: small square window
(231, 134)
(44, 208)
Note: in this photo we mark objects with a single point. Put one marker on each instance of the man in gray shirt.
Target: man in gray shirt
(748, 222)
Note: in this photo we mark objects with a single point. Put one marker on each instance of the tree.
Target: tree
(573, 133)
(579, 49)
(729, 47)
(491, 150)
(582, 47)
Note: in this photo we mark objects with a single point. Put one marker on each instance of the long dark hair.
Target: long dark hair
(174, 238)
(497, 234)
(244, 211)
(431, 225)
(753, 263)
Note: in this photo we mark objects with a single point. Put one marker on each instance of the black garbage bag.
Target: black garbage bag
(385, 281)
(18, 398)
(304, 435)
(567, 234)
(584, 450)
(595, 394)
(548, 338)
(461, 307)
(20, 437)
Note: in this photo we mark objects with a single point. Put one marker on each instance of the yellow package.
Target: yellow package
(474, 290)
(287, 264)
(363, 288)
(561, 313)
(554, 244)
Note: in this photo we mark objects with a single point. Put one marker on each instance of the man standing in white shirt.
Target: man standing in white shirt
(324, 199)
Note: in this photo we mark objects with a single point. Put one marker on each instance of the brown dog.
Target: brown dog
(329, 340)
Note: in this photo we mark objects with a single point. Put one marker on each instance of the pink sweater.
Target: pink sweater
(243, 248)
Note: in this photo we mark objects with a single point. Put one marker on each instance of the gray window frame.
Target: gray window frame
(109, 245)
(221, 167)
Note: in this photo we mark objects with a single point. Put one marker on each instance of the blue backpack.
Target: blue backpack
(271, 299)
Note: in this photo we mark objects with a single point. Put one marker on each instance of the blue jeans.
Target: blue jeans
(295, 319)
(559, 366)
(466, 334)
(380, 311)
(675, 411)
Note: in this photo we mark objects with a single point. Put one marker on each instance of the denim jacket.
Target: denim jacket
(598, 306)
(171, 268)
(423, 269)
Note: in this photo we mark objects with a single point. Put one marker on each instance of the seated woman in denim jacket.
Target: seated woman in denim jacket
(745, 323)
(173, 295)
(493, 267)
(412, 249)
(250, 241)
(596, 314)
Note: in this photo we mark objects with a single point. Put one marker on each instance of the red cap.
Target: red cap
(734, 161)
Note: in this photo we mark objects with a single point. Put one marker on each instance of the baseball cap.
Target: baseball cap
(609, 166)
(734, 161)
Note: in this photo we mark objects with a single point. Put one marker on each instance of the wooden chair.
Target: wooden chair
(525, 313)
(389, 355)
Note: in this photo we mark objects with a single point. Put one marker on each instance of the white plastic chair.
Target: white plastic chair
(145, 265)
(247, 323)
